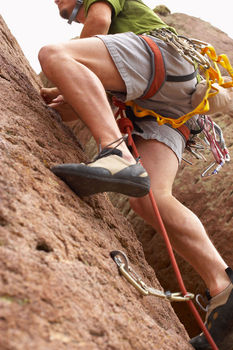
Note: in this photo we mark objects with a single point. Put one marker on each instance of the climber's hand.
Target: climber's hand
(57, 102)
(49, 94)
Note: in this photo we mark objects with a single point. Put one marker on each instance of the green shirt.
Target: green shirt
(131, 16)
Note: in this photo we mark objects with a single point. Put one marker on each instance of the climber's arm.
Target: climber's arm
(98, 19)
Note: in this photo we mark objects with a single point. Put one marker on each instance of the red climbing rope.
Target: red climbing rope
(126, 127)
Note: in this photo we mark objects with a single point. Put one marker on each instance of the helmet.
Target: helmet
(75, 11)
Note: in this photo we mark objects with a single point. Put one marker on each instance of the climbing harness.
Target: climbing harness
(127, 271)
(75, 11)
(208, 136)
(125, 110)
(126, 127)
(198, 53)
(203, 56)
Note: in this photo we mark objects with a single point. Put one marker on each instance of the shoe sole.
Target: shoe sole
(84, 184)
(226, 345)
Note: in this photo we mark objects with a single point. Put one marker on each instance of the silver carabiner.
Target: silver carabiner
(122, 262)
(117, 255)
(215, 171)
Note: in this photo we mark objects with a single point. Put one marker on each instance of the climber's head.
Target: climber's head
(69, 9)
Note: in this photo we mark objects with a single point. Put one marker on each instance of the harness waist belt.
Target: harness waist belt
(160, 74)
(184, 131)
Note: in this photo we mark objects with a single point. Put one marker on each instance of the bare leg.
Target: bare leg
(82, 70)
(185, 230)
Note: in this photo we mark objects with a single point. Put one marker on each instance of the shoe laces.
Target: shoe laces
(104, 152)
(107, 150)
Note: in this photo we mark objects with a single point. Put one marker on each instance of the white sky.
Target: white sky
(35, 23)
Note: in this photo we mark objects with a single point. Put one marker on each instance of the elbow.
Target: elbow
(104, 22)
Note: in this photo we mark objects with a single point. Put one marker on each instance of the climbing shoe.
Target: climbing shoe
(219, 320)
(109, 172)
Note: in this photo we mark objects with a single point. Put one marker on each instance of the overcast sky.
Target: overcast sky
(37, 23)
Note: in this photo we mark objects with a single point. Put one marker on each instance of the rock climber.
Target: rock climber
(112, 56)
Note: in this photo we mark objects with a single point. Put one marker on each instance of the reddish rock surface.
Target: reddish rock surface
(59, 288)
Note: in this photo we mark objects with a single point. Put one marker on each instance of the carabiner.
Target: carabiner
(117, 255)
(179, 296)
(215, 171)
(128, 272)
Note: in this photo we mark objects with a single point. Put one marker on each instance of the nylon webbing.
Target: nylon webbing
(159, 76)
(181, 78)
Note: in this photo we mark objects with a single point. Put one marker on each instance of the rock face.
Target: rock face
(59, 288)
(210, 199)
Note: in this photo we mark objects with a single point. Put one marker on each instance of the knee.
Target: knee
(144, 208)
(48, 55)
(144, 204)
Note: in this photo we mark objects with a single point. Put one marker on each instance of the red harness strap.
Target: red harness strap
(184, 131)
(159, 75)
(159, 78)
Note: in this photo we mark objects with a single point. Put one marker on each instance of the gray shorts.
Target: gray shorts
(134, 61)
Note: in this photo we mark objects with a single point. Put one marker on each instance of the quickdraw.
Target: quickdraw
(126, 270)
(213, 138)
